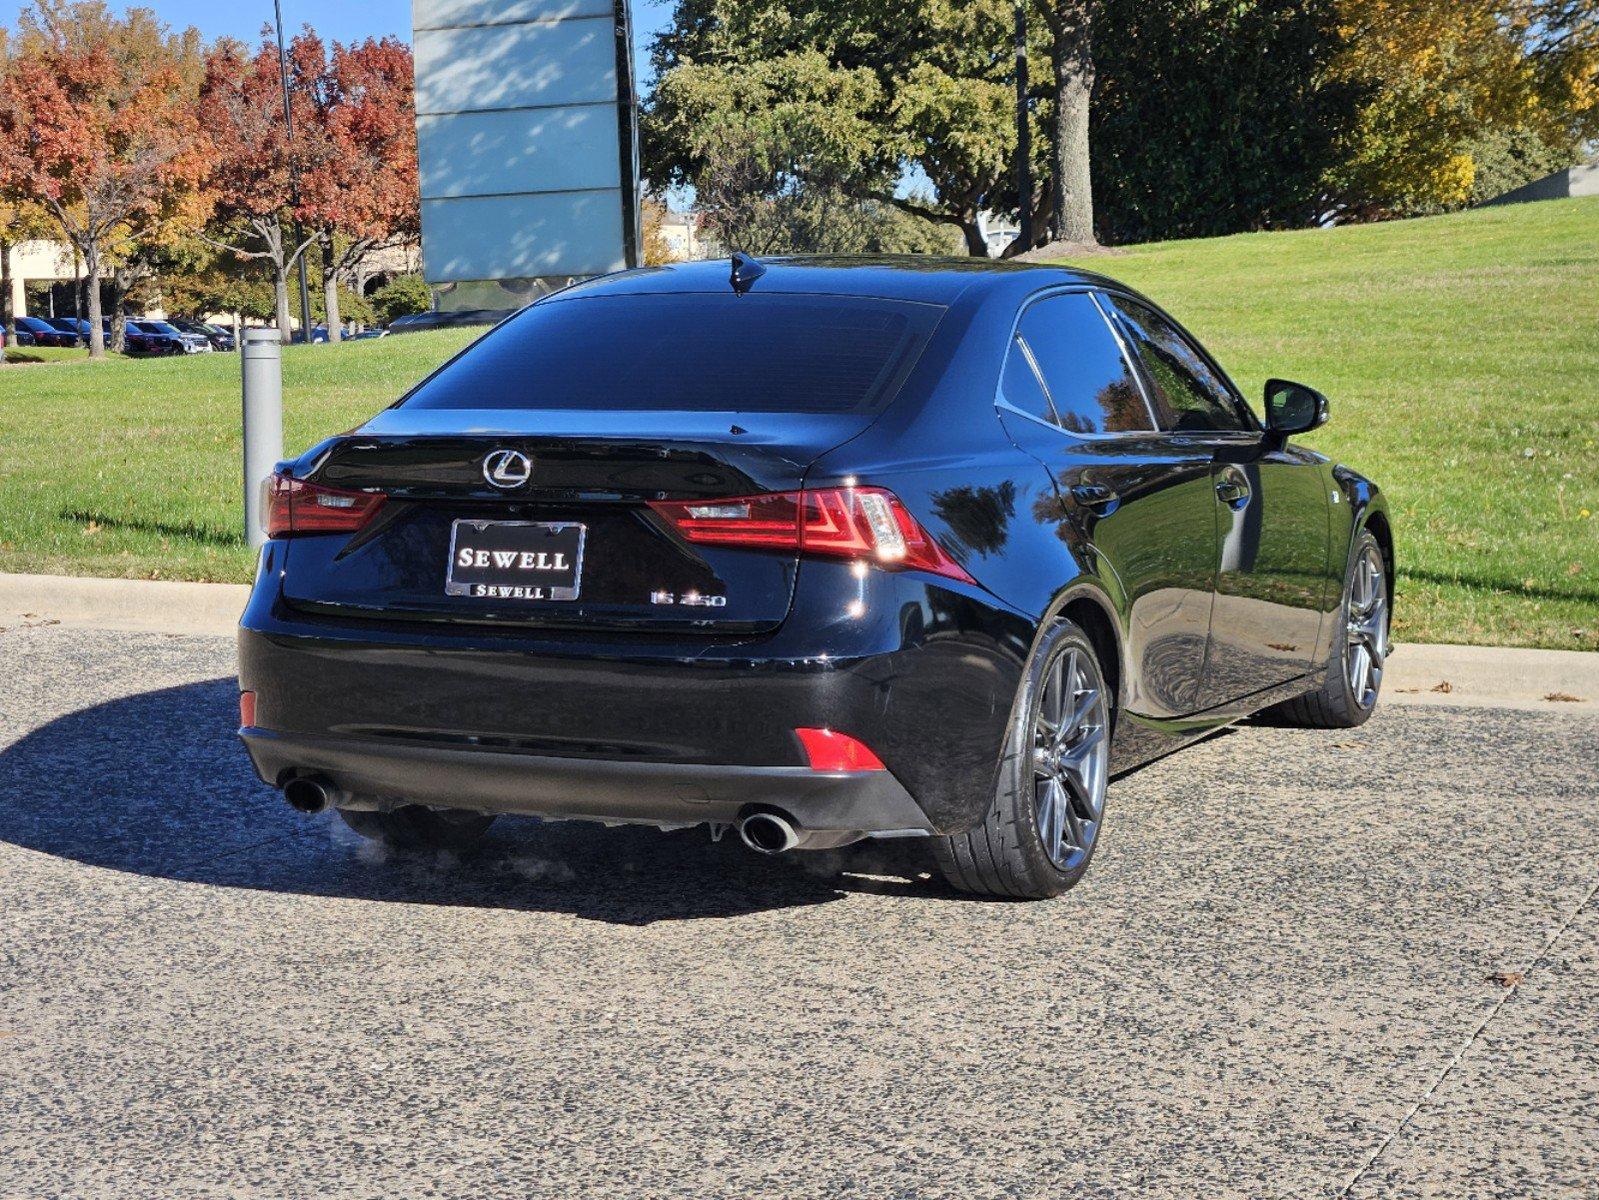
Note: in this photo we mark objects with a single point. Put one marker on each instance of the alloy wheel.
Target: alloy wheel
(1368, 627)
(1071, 757)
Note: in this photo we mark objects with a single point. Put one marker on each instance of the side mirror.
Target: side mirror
(1293, 408)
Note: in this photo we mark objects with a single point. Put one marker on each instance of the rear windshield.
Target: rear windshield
(690, 351)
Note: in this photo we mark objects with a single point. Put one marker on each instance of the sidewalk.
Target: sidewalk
(1473, 676)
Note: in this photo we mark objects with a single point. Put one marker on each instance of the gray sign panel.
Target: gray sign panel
(527, 142)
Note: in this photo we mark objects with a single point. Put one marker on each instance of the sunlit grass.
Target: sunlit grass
(133, 467)
(1461, 354)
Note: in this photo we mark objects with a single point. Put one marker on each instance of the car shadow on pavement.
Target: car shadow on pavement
(157, 784)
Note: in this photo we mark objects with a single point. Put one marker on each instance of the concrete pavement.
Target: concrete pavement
(1352, 964)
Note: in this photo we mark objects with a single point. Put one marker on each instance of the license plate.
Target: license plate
(516, 560)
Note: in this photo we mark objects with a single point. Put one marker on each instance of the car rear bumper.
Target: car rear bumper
(646, 728)
(376, 773)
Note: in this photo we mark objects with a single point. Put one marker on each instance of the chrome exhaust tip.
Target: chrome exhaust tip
(768, 833)
(310, 793)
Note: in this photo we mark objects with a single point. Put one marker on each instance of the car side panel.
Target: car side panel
(1275, 567)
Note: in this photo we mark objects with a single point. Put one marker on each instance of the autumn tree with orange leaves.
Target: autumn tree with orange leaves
(362, 195)
(100, 130)
(254, 174)
(347, 178)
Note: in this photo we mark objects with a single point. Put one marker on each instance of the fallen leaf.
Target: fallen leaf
(1564, 698)
(1506, 978)
(1574, 569)
(1445, 686)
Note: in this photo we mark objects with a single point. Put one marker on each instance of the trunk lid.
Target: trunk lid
(591, 470)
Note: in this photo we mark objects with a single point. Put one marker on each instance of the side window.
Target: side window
(1089, 381)
(1020, 386)
(1191, 395)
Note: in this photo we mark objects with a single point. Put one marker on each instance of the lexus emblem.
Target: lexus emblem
(507, 468)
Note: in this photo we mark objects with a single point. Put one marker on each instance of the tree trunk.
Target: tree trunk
(280, 296)
(8, 316)
(976, 243)
(121, 284)
(1072, 52)
(330, 289)
(91, 272)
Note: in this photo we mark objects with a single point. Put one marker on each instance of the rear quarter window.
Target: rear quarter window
(690, 352)
(1090, 382)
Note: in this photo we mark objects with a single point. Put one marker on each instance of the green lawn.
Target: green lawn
(1461, 354)
(132, 467)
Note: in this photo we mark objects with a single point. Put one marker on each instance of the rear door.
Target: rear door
(1071, 398)
(1271, 509)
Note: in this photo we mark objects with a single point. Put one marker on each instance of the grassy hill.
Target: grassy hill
(1461, 354)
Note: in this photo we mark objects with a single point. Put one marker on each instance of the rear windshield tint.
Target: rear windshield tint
(691, 352)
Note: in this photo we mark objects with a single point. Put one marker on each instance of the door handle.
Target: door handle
(1232, 491)
(1094, 495)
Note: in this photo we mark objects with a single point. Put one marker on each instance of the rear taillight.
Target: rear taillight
(862, 523)
(294, 506)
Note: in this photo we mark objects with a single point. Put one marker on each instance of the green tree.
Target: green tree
(841, 98)
(400, 297)
(1213, 118)
(1442, 83)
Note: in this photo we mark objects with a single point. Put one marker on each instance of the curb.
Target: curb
(146, 606)
(1471, 676)
(1492, 677)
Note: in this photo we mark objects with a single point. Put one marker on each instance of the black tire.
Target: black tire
(416, 828)
(1005, 854)
(1335, 705)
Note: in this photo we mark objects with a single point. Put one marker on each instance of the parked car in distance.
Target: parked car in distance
(220, 339)
(74, 327)
(418, 322)
(367, 335)
(825, 550)
(162, 337)
(36, 331)
(137, 341)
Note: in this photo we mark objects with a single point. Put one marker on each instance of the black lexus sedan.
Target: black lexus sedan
(820, 549)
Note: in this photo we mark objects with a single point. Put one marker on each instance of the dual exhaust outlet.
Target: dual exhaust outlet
(763, 831)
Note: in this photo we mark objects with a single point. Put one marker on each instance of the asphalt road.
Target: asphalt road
(1305, 964)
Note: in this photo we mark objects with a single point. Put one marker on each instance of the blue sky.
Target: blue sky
(347, 20)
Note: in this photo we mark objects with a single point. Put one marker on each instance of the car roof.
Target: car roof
(893, 277)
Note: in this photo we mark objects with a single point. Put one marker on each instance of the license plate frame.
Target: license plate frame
(509, 588)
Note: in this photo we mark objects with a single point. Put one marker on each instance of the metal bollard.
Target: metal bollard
(262, 357)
